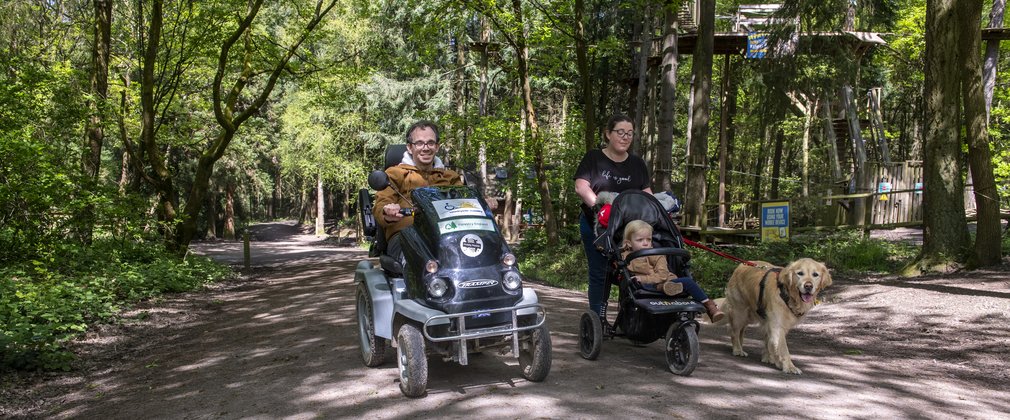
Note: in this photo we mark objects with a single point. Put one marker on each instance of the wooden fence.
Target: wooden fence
(894, 200)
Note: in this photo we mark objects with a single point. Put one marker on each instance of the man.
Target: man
(419, 168)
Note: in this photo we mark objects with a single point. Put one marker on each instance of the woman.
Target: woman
(611, 169)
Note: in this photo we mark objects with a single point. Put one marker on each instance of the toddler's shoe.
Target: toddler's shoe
(672, 288)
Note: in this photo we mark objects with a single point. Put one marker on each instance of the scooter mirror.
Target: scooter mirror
(378, 180)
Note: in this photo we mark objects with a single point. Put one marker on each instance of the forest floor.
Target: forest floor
(281, 342)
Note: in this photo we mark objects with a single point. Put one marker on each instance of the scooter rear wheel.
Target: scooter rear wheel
(590, 335)
(373, 349)
(682, 349)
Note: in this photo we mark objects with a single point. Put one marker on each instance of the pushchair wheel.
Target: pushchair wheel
(682, 349)
(590, 335)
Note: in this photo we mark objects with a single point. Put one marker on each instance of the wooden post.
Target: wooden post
(247, 255)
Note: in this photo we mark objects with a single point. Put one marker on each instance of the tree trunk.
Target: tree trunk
(697, 159)
(320, 207)
(211, 212)
(829, 134)
(276, 197)
(992, 54)
(160, 177)
(780, 138)
(644, 50)
(945, 233)
(988, 232)
(533, 131)
(808, 123)
(663, 173)
(725, 122)
(99, 88)
(347, 203)
(229, 212)
(859, 149)
(585, 78)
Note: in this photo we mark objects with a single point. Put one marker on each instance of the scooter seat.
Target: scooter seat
(390, 264)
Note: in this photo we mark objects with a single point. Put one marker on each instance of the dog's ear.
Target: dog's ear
(825, 276)
(788, 274)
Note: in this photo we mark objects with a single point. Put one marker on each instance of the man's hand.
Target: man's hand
(391, 212)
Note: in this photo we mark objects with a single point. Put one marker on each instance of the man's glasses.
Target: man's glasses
(425, 144)
(626, 134)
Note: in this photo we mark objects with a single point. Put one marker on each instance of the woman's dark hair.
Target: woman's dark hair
(616, 119)
(421, 124)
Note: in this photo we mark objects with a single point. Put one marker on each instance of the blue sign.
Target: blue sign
(757, 45)
(775, 221)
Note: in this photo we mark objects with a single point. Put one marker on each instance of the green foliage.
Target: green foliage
(47, 301)
(563, 265)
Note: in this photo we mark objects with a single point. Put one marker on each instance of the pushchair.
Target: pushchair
(644, 316)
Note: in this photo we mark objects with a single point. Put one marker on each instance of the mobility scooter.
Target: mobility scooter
(455, 291)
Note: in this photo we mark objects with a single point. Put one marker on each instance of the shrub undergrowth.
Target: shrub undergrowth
(843, 252)
(45, 302)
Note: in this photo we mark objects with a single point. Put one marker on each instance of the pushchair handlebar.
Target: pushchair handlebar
(679, 252)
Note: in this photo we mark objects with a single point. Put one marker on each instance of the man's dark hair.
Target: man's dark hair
(422, 124)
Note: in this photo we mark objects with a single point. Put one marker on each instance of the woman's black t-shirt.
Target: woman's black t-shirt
(605, 175)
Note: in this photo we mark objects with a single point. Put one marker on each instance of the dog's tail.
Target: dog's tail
(721, 303)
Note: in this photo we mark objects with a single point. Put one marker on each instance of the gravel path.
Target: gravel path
(281, 343)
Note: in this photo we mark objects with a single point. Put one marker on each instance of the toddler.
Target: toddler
(653, 273)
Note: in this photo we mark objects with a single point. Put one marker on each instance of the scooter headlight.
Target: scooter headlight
(437, 287)
(512, 280)
(508, 259)
(431, 266)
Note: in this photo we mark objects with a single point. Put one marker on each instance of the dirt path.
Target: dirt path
(281, 343)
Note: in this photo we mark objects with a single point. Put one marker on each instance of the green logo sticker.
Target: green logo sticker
(465, 224)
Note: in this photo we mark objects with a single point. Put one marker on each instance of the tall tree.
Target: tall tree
(585, 77)
(988, 231)
(945, 234)
(697, 155)
(663, 171)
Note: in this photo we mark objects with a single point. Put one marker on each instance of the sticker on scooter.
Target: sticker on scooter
(458, 207)
(471, 245)
(465, 224)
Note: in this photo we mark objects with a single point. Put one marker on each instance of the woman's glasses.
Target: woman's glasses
(624, 133)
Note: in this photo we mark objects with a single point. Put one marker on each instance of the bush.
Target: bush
(563, 265)
(44, 303)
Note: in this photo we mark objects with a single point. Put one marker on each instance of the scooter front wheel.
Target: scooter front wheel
(411, 361)
(535, 354)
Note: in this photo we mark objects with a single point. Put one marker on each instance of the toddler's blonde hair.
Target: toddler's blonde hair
(633, 227)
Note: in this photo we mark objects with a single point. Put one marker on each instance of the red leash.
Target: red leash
(719, 253)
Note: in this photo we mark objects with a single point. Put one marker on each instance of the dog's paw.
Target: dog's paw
(739, 352)
(792, 369)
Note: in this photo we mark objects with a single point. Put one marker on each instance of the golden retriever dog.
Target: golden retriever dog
(774, 298)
